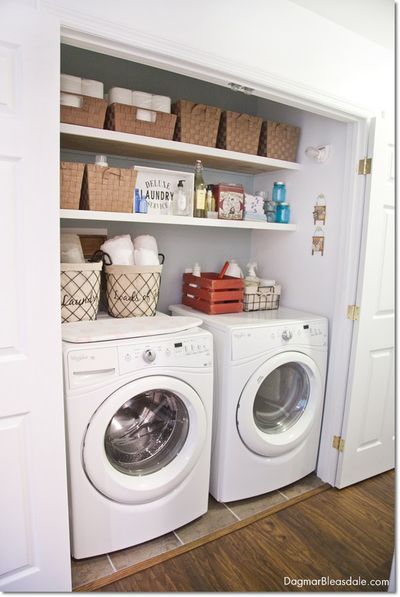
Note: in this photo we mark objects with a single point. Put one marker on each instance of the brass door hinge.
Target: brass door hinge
(353, 312)
(365, 166)
(338, 443)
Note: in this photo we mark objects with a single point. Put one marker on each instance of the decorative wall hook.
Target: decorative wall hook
(319, 154)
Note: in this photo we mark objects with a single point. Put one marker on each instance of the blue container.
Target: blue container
(282, 213)
(279, 192)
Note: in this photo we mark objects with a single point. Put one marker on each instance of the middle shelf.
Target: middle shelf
(109, 216)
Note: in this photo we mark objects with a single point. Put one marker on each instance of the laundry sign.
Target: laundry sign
(158, 187)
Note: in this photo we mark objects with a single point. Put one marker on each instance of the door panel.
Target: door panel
(33, 497)
(368, 426)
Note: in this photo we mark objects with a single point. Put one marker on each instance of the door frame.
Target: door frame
(85, 31)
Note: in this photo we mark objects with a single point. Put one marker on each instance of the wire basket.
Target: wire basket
(266, 300)
(80, 291)
(196, 123)
(132, 291)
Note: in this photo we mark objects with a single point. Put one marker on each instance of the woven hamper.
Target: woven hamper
(196, 123)
(80, 291)
(71, 175)
(279, 141)
(123, 118)
(91, 113)
(239, 132)
(132, 290)
(108, 189)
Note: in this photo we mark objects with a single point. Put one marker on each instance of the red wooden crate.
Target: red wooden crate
(212, 295)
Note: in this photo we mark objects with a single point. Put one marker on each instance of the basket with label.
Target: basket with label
(239, 132)
(89, 111)
(196, 123)
(132, 290)
(108, 189)
(279, 141)
(80, 291)
(71, 175)
(211, 294)
(262, 298)
(125, 119)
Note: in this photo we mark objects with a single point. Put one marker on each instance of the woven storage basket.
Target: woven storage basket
(122, 118)
(196, 123)
(132, 290)
(108, 189)
(91, 113)
(279, 141)
(71, 175)
(239, 132)
(80, 291)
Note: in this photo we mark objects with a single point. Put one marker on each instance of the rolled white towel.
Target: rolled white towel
(120, 95)
(141, 99)
(266, 282)
(68, 99)
(70, 248)
(120, 249)
(161, 103)
(145, 241)
(70, 84)
(146, 257)
(93, 88)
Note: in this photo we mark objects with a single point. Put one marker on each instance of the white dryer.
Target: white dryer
(138, 396)
(269, 373)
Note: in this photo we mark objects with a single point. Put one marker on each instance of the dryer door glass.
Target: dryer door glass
(147, 432)
(281, 398)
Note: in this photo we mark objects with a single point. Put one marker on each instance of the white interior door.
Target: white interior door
(368, 425)
(33, 496)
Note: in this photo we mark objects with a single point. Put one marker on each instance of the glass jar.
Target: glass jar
(270, 210)
(282, 213)
(279, 192)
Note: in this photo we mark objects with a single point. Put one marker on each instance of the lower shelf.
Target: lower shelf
(109, 216)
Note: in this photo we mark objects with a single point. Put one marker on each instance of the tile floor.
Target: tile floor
(218, 517)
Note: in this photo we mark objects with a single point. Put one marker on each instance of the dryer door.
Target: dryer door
(280, 404)
(144, 439)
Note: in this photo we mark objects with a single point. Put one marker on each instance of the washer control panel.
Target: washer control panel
(251, 341)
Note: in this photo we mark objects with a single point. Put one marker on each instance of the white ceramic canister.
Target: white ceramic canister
(120, 95)
(93, 88)
(161, 103)
(70, 84)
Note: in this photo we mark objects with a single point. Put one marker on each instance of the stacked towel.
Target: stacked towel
(142, 251)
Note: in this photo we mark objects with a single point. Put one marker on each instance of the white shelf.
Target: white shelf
(108, 216)
(82, 138)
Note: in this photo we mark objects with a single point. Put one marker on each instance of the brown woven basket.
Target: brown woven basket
(239, 132)
(123, 118)
(91, 113)
(196, 123)
(71, 175)
(279, 141)
(108, 189)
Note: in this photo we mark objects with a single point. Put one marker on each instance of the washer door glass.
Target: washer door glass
(282, 398)
(147, 432)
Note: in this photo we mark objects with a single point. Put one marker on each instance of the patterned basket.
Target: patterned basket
(239, 132)
(196, 123)
(123, 118)
(108, 189)
(91, 113)
(279, 141)
(80, 291)
(132, 291)
(71, 175)
(265, 299)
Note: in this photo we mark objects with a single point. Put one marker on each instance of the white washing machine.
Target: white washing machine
(138, 396)
(269, 372)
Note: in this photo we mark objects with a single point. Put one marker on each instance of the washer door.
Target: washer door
(278, 405)
(144, 439)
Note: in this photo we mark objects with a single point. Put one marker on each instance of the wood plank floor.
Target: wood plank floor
(337, 534)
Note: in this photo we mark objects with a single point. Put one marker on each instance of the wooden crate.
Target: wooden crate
(211, 295)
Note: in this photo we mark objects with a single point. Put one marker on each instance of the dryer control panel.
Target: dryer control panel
(251, 341)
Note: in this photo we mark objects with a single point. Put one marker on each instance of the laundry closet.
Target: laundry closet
(327, 266)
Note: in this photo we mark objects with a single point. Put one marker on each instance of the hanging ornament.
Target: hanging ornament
(319, 212)
(318, 242)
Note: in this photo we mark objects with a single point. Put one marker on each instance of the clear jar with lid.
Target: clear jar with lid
(279, 192)
(282, 213)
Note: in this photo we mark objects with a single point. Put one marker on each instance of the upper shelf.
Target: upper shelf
(84, 138)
